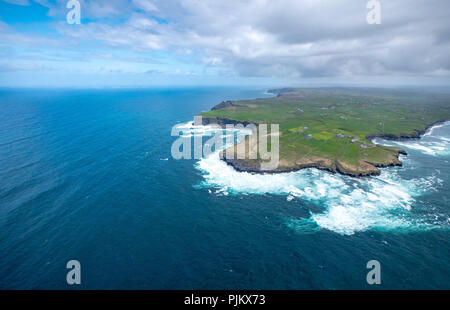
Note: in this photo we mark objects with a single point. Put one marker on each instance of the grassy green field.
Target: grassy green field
(319, 127)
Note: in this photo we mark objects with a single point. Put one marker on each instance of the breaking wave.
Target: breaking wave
(433, 142)
(386, 202)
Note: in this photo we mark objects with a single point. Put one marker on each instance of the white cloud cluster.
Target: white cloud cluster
(282, 38)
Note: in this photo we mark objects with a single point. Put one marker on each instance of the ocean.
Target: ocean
(88, 175)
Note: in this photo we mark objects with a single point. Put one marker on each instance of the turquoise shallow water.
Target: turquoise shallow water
(84, 175)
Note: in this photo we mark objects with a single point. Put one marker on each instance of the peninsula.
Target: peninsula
(333, 128)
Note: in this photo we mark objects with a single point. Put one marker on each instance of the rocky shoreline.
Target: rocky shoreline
(334, 167)
(222, 122)
(416, 134)
(243, 166)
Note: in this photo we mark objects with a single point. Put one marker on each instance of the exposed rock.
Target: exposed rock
(222, 122)
(223, 104)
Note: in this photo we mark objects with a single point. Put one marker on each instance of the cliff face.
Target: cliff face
(222, 122)
(363, 169)
(222, 105)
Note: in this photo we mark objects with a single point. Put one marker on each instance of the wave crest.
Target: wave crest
(384, 202)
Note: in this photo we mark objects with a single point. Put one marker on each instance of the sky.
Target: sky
(145, 43)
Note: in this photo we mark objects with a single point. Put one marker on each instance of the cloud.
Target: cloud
(283, 39)
(9, 36)
(145, 5)
(18, 2)
(289, 37)
(9, 67)
(92, 9)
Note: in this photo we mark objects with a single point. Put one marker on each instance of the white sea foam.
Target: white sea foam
(431, 143)
(385, 202)
(382, 202)
(435, 148)
(190, 130)
(433, 128)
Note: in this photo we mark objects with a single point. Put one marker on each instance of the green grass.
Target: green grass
(353, 112)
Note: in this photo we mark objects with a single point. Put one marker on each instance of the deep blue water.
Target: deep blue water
(83, 176)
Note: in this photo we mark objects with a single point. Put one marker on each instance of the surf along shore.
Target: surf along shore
(333, 129)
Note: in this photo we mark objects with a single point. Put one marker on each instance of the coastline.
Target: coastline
(335, 167)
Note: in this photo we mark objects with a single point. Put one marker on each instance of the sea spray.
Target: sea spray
(385, 202)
